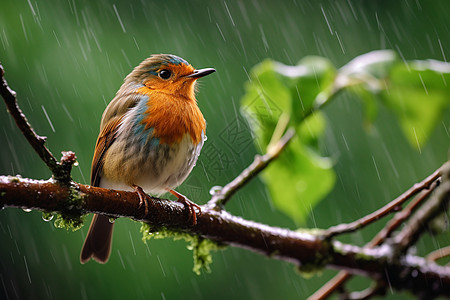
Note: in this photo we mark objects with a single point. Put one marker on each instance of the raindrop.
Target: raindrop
(414, 273)
(218, 27)
(215, 189)
(112, 220)
(66, 110)
(48, 118)
(75, 164)
(27, 210)
(326, 19)
(47, 217)
(118, 17)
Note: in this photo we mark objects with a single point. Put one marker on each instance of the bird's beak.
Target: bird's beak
(200, 73)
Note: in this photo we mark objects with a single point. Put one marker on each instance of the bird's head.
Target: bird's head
(167, 73)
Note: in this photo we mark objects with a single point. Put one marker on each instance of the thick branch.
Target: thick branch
(306, 250)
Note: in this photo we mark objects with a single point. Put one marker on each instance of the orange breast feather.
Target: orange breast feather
(171, 117)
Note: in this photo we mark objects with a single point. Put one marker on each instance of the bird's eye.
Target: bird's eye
(165, 74)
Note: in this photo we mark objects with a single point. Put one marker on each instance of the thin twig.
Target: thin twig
(333, 284)
(439, 254)
(400, 217)
(375, 289)
(437, 204)
(36, 141)
(60, 170)
(328, 288)
(392, 206)
(220, 198)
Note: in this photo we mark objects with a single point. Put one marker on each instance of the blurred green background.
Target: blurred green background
(67, 59)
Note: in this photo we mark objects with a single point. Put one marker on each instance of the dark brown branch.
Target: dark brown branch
(60, 170)
(437, 204)
(392, 206)
(220, 198)
(337, 281)
(306, 250)
(401, 217)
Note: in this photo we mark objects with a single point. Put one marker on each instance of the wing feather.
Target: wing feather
(125, 99)
(105, 139)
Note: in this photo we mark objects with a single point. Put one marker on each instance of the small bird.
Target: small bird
(151, 135)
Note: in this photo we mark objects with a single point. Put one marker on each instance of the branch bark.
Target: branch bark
(307, 250)
(400, 217)
(60, 170)
(392, 206)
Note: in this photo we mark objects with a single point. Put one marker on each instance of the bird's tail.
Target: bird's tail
(98, 240)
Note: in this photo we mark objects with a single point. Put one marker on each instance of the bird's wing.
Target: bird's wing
(106, 137)
(112, 117)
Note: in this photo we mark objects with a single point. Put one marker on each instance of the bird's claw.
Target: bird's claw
(143, 199)
(191, 206)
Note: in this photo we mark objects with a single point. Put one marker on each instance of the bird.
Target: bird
(151, 134)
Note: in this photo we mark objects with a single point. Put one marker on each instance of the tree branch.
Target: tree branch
(438, 203)
(375, 289)
(337, 281)
(220, 197)
(439, 254)
(60, 170)
(392, 206)
(308, 251)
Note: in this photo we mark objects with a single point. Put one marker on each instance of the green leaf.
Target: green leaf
(266, 98)
(418, 93)
(369, 101)
(275, 88)
(374, 64)
(365, 76)
(311, 129)
(305, 81)
(300, 177)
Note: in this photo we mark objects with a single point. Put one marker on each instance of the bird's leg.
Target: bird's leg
(189, 204)
(143, 198)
